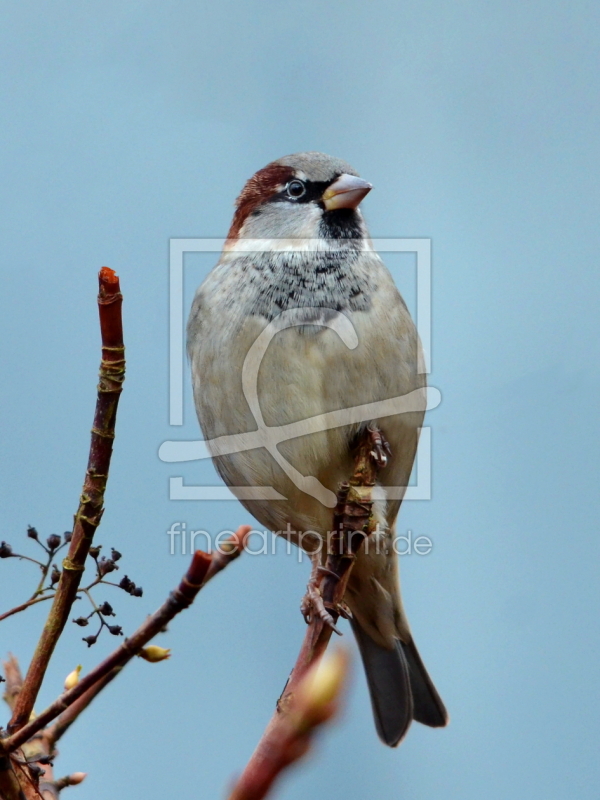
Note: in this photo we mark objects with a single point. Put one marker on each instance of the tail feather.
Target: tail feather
(400, 688)
(388, 679)
(428, 706)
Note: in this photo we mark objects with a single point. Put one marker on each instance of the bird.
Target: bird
(299, 275)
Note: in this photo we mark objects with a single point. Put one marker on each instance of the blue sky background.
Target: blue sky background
(126, 124)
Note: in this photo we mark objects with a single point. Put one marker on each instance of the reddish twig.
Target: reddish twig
(229, 550)
(68, 717)
(314, 703)
(16, 779)
(352, 524)
(89, 513)
(202, 569)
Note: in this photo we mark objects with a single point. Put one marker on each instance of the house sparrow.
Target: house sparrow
(298, 256)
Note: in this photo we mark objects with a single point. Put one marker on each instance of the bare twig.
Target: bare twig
(16, 780)
(39, 594)
(89, 513)
(219, 560)
(68, 717)
(314, 703)
(352, 524)
(23, 606)
(201, 570)
(51, 553)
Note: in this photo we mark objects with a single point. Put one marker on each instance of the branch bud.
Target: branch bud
(70, 780)
(317, 693)
(72, 678)
(154, 653)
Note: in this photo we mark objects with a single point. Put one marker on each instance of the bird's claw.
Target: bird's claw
(313, 605)
(326, 571)
(344, 611)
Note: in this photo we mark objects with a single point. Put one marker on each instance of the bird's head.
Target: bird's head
(305, 196)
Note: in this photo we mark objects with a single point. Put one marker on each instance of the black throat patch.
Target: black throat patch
(279, 281)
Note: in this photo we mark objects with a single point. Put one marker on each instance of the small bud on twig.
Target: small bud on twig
(114, 554)
(90, 640)
(70, 780)
(53, 541)
(83, 621)
(106, 610)
(314, 701)
(116, 630)
(32, 533)
(72, 678)
(154, 653)
(321, 687)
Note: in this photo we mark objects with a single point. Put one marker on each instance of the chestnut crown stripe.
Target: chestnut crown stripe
(260, 188)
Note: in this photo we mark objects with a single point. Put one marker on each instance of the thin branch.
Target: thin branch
(31, 602)
(68, 717)
(352, 524)
(15, 778)
(89, 513)
(46, 567)
(202, 569)
(315, 702)
(28, 558)
(25, 775)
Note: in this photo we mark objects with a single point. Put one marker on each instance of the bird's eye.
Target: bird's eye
(296, 189)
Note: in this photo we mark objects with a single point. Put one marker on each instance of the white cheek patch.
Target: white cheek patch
(285, 245)
(281, 227)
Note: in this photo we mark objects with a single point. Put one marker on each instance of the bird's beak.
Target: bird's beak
(346, 192)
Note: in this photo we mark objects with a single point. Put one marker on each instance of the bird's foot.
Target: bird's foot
(313, 604)
(380, 446)
(344, 611)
